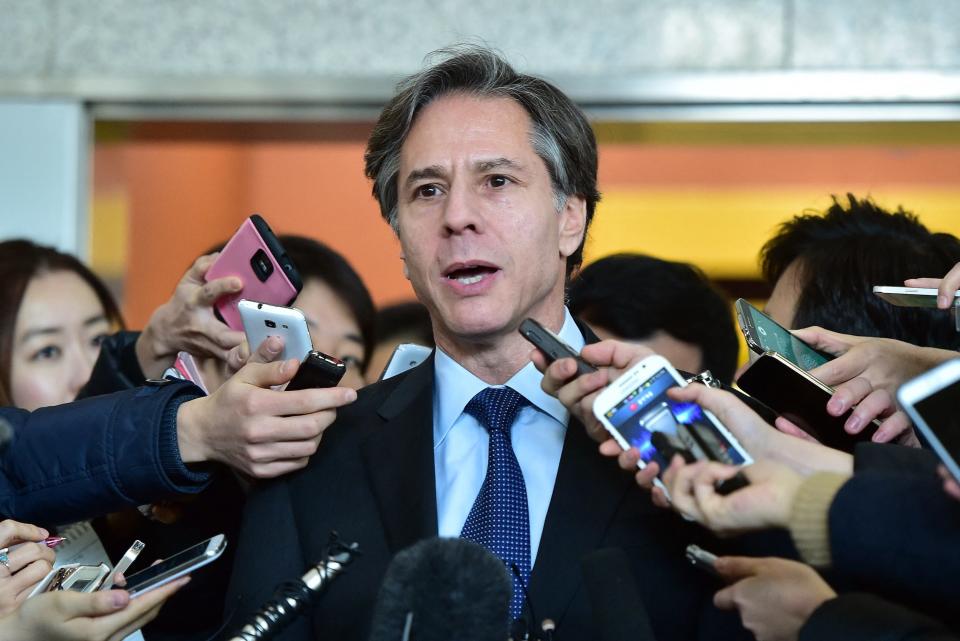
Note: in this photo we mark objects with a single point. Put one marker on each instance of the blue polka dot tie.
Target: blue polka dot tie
(499, 519)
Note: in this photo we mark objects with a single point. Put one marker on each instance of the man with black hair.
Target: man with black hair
(823, 269)
(670, 307)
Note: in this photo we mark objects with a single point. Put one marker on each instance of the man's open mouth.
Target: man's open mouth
(470, 274)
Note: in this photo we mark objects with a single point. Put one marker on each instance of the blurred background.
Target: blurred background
(138, 133)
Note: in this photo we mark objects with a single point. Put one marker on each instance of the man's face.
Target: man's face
(483, 244)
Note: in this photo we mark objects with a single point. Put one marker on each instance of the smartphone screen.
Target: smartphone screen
(772, 337)
(939, 412)
(174, 567)
(647, 409)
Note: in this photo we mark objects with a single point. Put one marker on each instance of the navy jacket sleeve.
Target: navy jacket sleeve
(864, 617)
(893, 459)
(82, 459)
(896, 535)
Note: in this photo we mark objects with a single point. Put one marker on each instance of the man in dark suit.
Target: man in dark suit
(488, 177)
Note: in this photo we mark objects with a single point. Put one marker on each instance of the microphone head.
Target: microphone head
(456, 589)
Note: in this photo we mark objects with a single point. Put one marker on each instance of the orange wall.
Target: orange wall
(173, 190)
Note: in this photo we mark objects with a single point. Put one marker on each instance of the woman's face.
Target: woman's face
(60, 326)
(333, 329)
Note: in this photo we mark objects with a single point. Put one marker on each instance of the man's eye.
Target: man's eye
(97, 341)
(49, 352)
(427, 191)
(498, 181)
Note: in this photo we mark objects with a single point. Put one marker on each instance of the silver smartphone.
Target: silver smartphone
(405, 356)
(261, 320)
(176, 566)
(932, 401)
(910, 296)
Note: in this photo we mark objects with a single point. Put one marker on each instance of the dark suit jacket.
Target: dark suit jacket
(373, 481)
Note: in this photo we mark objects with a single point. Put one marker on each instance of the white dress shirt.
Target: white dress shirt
(460, 443)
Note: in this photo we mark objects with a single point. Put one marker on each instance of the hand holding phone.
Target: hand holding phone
(636, 406)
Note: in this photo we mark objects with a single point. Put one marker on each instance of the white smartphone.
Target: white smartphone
(176, 566)
(635, 407)
(261, 320)
(932, 401)
(405, 356)
(910, 296)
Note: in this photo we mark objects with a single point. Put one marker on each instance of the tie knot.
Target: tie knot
(496, 408)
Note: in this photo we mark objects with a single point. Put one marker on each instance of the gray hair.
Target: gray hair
(560, 134)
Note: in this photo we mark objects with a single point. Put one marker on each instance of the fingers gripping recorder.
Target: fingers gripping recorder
(292, 597)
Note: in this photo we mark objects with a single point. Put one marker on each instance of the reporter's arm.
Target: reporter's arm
(74, 461)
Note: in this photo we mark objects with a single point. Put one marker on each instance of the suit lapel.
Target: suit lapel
(586, 495)
(398, 457)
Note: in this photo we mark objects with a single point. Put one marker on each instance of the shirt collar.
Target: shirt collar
(455, 385)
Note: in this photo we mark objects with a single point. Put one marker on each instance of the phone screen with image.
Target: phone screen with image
(774, 338)
(647, 409)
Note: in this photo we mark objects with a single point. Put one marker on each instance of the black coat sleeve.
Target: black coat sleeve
(864, 617)
(896, 535)
(893, 459)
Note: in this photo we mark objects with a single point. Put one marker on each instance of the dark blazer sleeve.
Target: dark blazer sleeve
(117, 367)
(864, 617)
(82, 459)
(896, 535)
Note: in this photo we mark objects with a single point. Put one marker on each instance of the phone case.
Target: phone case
(261, 320)
(257, 257)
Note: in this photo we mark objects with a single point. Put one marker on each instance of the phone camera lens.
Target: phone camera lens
(269, 323)
(261, 265)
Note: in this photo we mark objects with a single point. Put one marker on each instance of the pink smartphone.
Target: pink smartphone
(257, 257)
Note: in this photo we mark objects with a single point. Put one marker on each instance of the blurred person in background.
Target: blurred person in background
(55, 315)
(407, 322)
(823, 269)
(672, 308)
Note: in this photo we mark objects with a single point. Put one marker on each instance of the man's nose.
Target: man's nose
(461, 212)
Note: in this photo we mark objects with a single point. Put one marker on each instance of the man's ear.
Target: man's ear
(406, 270)
(572, 222)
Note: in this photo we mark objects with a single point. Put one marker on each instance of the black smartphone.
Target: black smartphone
(318, 370)
(552, 345)
(763, 334)
(802, 399)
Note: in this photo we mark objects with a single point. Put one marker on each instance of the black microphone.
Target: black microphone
(442, 589)
(618, 610)
(293, 597)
